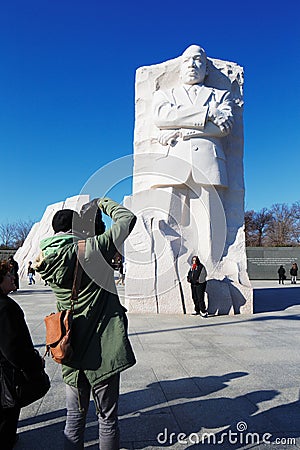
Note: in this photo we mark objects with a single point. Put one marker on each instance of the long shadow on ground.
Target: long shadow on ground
(275, 299)
(168, 411)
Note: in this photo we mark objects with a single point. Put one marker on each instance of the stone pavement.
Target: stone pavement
(222, 382)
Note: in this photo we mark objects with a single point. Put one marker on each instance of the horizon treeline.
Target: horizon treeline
(278, 226)
(13, 235)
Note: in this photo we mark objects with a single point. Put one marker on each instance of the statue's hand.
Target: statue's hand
(221, 120)
(226, 125)
(168, 137)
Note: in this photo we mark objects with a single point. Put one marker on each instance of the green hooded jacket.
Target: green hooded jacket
(99, 330)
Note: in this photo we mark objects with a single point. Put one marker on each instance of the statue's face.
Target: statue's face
(193, 66)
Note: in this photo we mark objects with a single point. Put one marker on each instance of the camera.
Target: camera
(91, 219)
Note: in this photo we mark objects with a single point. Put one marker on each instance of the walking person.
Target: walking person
(281, 274)
(101, 348)
(16, 354)
(121, 273)
(293, 273)
(197, 278)
(124, 271)
(30, 273)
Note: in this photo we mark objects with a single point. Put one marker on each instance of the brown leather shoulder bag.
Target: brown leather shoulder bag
(59, 325)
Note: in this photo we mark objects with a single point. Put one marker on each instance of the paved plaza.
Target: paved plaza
(226, 382)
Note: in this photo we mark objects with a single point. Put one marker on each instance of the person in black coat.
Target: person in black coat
(16, 353)
(14, 269)
(281, 274)
(293, 273)
(197, 278)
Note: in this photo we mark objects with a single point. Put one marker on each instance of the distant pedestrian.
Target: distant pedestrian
(121, 273)
(281, 274)
(14, 269)
(197, 278)
(293, 273)
(30, 273)
(124, 271)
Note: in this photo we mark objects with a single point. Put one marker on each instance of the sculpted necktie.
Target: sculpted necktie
(193, 93)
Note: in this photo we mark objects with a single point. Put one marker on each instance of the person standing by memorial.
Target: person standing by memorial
(197, 278)
(281, 274)
(293, 273)
(101, 347)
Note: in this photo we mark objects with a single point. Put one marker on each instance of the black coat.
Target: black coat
(16, 346)
(293, 272)
(193, 275)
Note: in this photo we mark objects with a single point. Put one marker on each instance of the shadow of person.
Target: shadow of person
(212, 413)
(157, 393)
(276, 426)
(145, 413)
(223, 297)
(44, 431)
(184, 422)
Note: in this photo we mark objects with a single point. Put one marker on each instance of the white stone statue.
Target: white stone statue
(188, 186)
(193, 119)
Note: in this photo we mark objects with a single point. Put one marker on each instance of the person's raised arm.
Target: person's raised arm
(124, 220)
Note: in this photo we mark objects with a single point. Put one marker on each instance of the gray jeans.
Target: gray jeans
(106, 395)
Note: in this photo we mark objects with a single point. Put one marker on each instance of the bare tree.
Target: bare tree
(256, 226)
(250, 229)
(296, 215)
(7, 235)
(262, 221)
(281, 228)
(22, 229)
(13, 235)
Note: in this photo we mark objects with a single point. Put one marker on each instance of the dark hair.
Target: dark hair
(4, 269)
(64, 220)
(197, 260)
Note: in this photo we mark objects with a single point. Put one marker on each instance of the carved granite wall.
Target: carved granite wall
(167, 234)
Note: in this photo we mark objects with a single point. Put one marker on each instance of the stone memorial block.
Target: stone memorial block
(188, 186)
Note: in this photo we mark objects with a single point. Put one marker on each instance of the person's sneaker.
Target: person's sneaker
(195, 314)
(204, 314)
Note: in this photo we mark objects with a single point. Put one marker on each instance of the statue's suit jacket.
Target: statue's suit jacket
(200, 145)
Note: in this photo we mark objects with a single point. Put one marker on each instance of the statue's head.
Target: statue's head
(193, 68)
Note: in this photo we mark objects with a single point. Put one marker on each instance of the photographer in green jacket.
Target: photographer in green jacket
(99, 329)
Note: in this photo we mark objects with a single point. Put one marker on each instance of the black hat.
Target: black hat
(63, 220)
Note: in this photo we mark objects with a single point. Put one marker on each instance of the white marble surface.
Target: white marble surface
(189, 201)
(43, 229)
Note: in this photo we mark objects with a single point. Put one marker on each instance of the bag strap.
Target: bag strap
(77, 273)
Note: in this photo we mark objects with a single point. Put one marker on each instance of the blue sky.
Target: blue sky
(67, 89)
